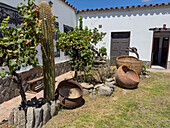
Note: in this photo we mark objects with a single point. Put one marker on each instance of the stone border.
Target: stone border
(35, 117)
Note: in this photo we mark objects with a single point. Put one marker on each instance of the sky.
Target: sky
(84, 4)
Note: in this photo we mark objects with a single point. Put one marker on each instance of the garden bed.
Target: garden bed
(146, 106)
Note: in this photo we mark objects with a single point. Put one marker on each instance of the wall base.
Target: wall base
(9, 89)
(147, 63)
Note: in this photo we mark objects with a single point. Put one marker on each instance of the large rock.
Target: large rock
(87, 86)
(104, 91)
(85, 91)
(110, 79)
(38, 117)
(21, 119)
(111, 85)
(46, 113)
(11, 118)
(97, 86)
(30, 117)
(53, 108)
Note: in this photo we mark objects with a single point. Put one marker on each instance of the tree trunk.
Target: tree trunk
(22, 92)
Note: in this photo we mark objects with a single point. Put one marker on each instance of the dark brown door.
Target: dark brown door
(160, 49)
(119, 42)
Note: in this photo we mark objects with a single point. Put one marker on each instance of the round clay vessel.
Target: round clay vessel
(126, 78)
(70, 93)
(131, 62)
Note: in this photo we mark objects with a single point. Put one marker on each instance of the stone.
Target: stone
(8, 89)
(12, 94)
(7, 83)
(147, 76)
(58, 105)
(11, 118)
(1, 98)
(141, 76)
(16, 110)
(124, 91)
(90, 90)
(41, 124)
(97, 86)
(87, 86)
(21, 119)
(53, 108)
(104, 91)
(113, 82)
(1, 88)
(92, 95)
(38, 117)
(4, 91)
(30, 117)
(94, 91)
(7, 96)
(110, 85)
(17, 92)
(1, 81)
(85, 92)
(46, 113)
(110, 80)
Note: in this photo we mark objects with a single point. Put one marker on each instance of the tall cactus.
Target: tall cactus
(47, 47)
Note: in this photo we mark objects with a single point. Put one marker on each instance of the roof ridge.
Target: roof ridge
(123, 8)
(66, 2)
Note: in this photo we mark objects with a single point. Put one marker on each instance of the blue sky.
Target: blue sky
(84, 4)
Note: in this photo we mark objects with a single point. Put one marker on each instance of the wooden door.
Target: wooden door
(119, 42)
(160, 49)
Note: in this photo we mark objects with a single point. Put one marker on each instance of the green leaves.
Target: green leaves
(18, 45)
(80, 45)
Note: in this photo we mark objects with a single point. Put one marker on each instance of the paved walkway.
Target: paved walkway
(159, 70)
(6, 107)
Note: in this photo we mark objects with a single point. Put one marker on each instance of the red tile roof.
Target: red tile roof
(66, 2)
(127, 7)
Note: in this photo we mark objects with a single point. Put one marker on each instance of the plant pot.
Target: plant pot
(126, 78)
(131, 62)
(70, 93)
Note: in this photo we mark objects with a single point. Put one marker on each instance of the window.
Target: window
(67, 29)
(56, 37)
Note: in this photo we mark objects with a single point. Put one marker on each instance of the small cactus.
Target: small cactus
(47, 47)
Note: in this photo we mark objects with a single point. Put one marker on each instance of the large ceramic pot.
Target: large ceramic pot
(131, 62)
(126, 78)
(70, 93)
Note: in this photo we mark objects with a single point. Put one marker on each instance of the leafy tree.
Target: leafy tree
(17, 47)
(81, 46)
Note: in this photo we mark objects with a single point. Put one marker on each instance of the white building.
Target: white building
(145, 27)
(134, 27)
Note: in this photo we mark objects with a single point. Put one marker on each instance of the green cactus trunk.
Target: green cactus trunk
(47, 47)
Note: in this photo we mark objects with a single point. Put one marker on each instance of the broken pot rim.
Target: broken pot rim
(121, 68)
(73, 82)
(119, 58)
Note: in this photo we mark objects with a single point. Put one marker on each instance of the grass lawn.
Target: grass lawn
(146, 106)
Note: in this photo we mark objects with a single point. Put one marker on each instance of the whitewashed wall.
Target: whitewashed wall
(137, 21)
(66, 16)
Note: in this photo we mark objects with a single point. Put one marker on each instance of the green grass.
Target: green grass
(146, 106)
